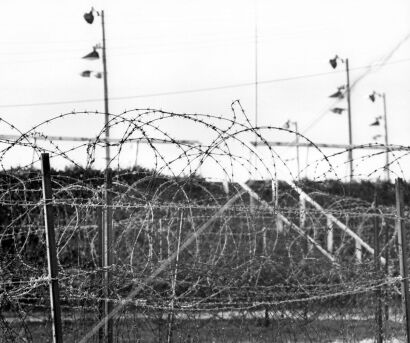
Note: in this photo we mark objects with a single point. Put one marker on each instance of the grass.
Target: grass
(238, 330)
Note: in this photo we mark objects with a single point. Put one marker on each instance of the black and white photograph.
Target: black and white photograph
(232, 171)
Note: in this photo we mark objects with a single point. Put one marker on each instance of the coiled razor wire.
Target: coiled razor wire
(196, 259)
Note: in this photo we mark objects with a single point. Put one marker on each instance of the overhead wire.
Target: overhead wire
(196, 90)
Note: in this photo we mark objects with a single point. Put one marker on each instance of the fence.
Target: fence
(194, 260)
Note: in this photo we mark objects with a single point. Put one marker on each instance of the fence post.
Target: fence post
(100, 264)
(275, 204)
(402, 255)
(302, 223)
(107, 249)
(329, 236)
(51, 250)
(378, 313)
(358, 247)
(386, 267)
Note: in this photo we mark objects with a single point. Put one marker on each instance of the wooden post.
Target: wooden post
(275, 193)
(307, 246)
(378, 294)
(252, 205)
(51, 251)
(275, 204)
(100, 264)
(161, 254)
(357, 244)
(107, 248)
(225, 186)
(171, 316)
(330, 237)
(386, 268)
(402, 256)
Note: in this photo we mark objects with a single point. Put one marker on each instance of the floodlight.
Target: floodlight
(92, 55)
(338, 110)
(89, 17)
(86, 73)
(333, 62)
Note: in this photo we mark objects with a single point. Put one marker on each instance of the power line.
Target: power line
(197, 90)
(143, 44)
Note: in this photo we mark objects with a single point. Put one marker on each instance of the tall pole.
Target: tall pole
(378, 293)
(106, 110)
(256, 74)
(256, 69)
(349, 113)
(107, 233)
(401, 235)
(386, 138)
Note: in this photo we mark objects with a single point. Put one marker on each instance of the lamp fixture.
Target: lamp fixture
(333, 61)
(373, 96)
(376, 121)
(89, 16)
(89, 73)
(93, 55)
(338, 110)
(339, 94)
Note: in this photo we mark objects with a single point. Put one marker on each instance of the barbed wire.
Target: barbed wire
(189, 250)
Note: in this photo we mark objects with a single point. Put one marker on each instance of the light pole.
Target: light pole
(256, 81)
(89, 18)
(106, 230)
(333, 63)
(372, 98)
(287, 126)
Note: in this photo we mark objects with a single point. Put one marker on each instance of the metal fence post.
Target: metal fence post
(378, 294)
(402, 255)
(51, 250)
(386, 267)
(100, 264)
(107, 249)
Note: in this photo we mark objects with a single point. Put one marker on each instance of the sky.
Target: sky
(200, 56)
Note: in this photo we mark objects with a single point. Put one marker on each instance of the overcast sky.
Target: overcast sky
(199, 56)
